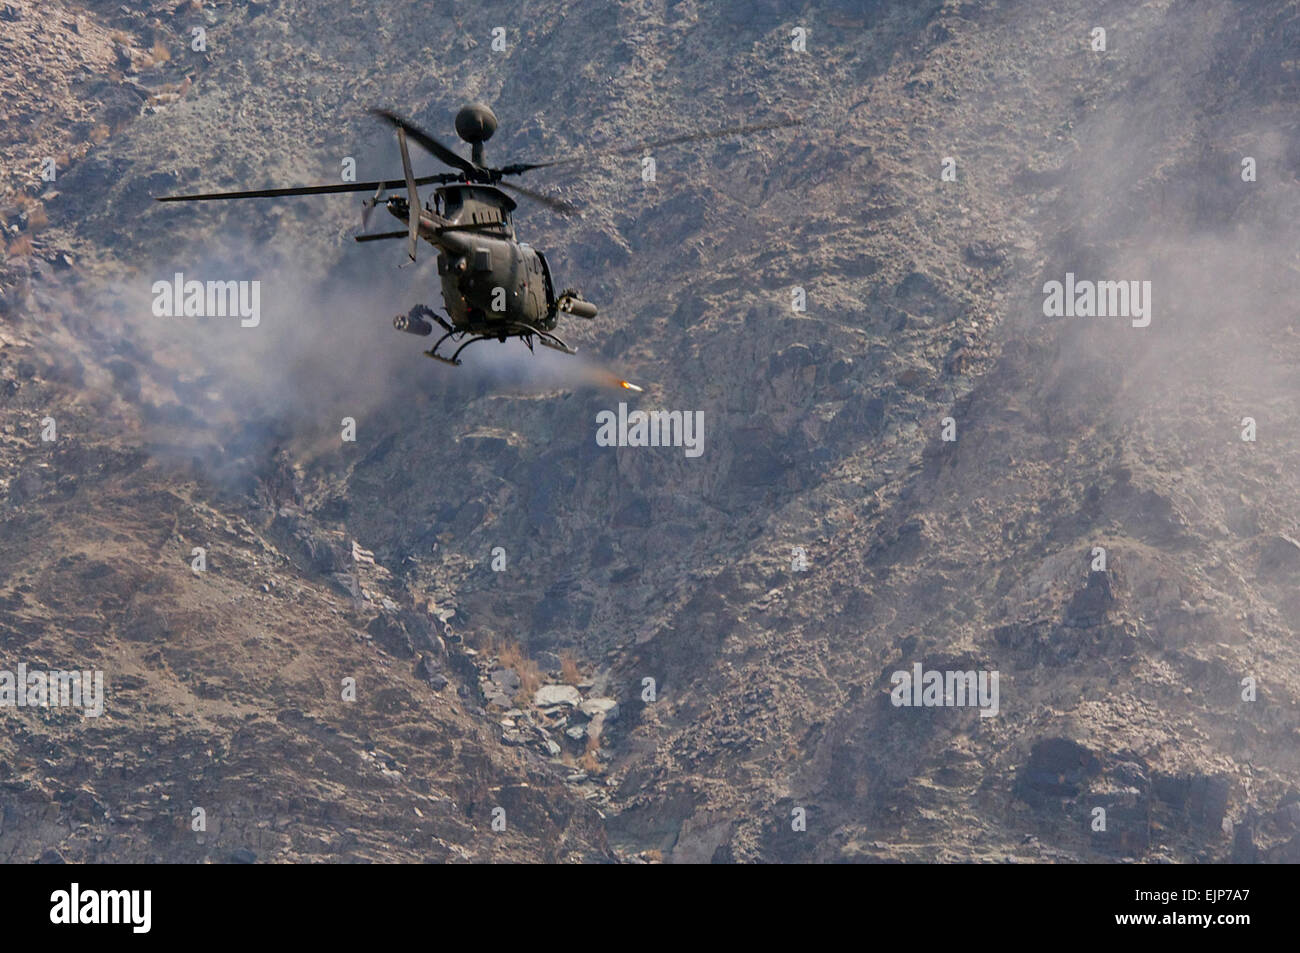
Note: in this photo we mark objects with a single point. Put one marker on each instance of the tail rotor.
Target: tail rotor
(368, 206)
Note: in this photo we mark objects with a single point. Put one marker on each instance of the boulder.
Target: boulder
(1057, 768)
(391, 635)
(505, 680)
(1201, 798)
(1281, 555)
(1089, 606)
(548, 661)
(427, 671)
(311, 549)
(550, 696)
(603, 708)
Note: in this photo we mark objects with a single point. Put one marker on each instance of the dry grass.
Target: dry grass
(20, 247)
(655, 856)
(37, 219)
(511, 655)
(159, 53)
(569, 673)
(589, 762)
(99, 133)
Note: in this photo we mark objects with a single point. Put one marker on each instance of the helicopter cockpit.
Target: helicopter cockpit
(470, 204)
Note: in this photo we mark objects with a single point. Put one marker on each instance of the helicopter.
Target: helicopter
(493, 286)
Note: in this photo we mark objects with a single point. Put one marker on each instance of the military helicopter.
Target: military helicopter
(493, 286)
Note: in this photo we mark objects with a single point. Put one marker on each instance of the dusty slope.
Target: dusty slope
(225, 688)
(823, 432)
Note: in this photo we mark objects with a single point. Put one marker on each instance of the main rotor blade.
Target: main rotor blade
(558, 205)
(412, 195)
(307, 190)
(380, 236)
(518, 168)
(426, 140)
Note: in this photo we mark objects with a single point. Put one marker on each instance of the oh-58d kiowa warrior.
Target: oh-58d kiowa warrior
(493, 286)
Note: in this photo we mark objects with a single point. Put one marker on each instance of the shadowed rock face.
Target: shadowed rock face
(635, 653)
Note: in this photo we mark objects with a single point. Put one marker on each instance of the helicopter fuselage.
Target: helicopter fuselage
(490, 281)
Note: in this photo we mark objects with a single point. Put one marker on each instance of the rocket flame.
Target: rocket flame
(602, 376)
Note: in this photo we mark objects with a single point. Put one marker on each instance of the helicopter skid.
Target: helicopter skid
(454, 360)
(445, 360)
(525, 331)
(547, 340)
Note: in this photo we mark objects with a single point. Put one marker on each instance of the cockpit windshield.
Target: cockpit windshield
(473, 205)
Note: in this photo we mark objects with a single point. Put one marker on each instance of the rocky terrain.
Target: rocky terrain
(473, 634)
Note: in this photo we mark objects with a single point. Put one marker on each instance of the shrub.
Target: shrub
(512, 656)
(569, 673)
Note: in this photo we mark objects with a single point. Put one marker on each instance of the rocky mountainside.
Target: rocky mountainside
(473, 633)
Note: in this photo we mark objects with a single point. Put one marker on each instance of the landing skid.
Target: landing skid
(546, 339)
(519, 330)
(454, 360)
